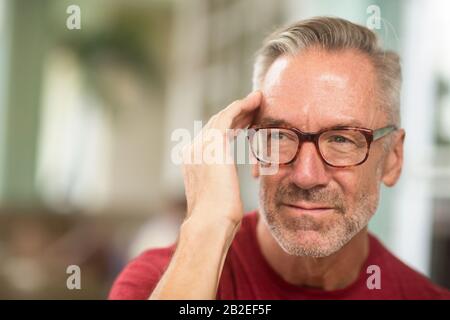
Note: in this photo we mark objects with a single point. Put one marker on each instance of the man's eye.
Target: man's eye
(279, 136)
(339, 139)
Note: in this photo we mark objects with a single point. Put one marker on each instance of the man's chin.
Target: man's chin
(306, 250)
(306, 242)
(307, 238)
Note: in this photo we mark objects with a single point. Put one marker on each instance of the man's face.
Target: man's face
(313, 209)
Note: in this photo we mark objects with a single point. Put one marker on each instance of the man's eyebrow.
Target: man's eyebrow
(350, 123)
(269, 121)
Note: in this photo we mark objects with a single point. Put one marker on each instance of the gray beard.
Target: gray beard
(333, 237)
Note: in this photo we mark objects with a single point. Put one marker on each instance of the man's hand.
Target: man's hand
(214, 208)
(212, 189)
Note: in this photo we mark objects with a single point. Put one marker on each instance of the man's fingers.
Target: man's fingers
(249, 103)
(243, 121)
(239, 108)
(238, 115)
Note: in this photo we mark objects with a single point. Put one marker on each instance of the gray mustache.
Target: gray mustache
(318, 195)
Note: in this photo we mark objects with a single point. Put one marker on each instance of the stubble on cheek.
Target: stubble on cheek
(308, 235)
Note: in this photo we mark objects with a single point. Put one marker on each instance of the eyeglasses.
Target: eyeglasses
(339, 147)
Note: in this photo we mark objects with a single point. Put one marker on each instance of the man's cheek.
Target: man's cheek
(354, 182)
(269, 186)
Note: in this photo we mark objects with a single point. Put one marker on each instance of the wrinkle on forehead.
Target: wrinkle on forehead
(334, 80)
(321, 86)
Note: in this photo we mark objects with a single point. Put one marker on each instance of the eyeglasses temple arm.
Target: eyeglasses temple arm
(379, 133)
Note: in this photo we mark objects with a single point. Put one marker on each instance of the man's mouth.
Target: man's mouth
(308, 208)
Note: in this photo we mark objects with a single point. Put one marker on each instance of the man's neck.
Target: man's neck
(334, 272)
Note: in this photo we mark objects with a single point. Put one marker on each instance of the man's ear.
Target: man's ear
(393, 162)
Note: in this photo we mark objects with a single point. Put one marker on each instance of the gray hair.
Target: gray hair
(335, 34)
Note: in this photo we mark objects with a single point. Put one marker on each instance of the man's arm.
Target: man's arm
(214, 210)
(197, 263)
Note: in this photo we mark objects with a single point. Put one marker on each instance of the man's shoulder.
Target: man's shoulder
(162, 253)
(411, 283)
(140, 276)
(159, 257)
(155, 258)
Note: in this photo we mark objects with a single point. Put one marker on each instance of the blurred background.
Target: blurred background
(86, 117)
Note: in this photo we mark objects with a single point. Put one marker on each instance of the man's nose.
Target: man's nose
(309, 170)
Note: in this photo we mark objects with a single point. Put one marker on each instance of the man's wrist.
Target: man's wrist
(208, 229)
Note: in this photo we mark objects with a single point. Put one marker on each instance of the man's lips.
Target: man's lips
(308, 207)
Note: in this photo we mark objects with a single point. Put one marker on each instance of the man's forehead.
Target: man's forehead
(313, 115)
(288, 74)
(307, 92)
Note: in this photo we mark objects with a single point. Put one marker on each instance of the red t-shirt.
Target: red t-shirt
(247, 275)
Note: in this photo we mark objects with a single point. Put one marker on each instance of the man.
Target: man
(328, 96)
